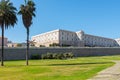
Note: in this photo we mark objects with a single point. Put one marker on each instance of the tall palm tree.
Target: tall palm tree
(7, 18)
(27, 11)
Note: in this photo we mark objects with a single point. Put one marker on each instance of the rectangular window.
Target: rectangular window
(62, 38)
(67, 33)
(62, 33)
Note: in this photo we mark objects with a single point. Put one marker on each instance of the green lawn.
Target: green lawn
(80, 68)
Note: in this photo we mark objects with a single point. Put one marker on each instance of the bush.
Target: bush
(65, 45)
(69, 55)
(57, 56)
(35, 56)
(49, 56)
(42, 46)
(19, 45)
(53, 56)
(54, 45)
(60, 56)
(44, 56)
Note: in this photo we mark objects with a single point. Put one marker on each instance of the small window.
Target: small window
(67, 38)
(62, 38)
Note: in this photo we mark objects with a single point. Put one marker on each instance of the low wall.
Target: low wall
(19, 53)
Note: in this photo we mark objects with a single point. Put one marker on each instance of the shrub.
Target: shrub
(60, 56)
(42, 46)
(65, 55)
(44, 56)
(19, 45)
(35, 56)
(57, 56)
(70, 55)
(49, 56)
(54, 45)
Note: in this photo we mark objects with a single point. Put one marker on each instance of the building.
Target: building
(5, 41)
(118, 40)
(12, 45)
(69, 38)
(16, 45)
(97, 41)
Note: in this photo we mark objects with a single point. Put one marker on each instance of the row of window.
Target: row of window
(45, 39)
(67, 34)
(96, 38)
(99, 43)
(66, 38)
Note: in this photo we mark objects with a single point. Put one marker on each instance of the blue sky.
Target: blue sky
(96, 17)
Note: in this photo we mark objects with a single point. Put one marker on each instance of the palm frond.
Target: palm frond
(27, 12)
(7, 14)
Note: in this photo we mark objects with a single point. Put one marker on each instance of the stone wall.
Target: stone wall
(19, 53)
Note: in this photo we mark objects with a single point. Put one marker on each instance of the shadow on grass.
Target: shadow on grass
(79, 64)
(62, 64)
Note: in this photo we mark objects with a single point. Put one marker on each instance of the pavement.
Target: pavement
(112, 73)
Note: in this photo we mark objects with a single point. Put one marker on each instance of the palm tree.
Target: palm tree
(27, 11)
(7, 18)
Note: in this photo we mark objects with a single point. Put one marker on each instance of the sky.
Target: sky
(95, 17)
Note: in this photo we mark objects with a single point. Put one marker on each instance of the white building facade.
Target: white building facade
(69, 38)
(118, 40)
(46, 39)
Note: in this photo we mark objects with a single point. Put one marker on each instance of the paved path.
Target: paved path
(112, 73)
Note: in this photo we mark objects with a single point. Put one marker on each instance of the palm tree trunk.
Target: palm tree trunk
(2, 54)
(27, 51)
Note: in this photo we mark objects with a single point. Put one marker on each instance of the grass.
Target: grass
(80, 68)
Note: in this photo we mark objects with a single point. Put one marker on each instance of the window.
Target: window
(67, 38)
(62, 33)
(62, 38)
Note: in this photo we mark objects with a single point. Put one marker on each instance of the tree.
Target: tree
(7, 19)
(27, 11)
(19, 45)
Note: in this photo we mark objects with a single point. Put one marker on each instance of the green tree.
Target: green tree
(27, 11)
(7, 19)
(19, 45)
